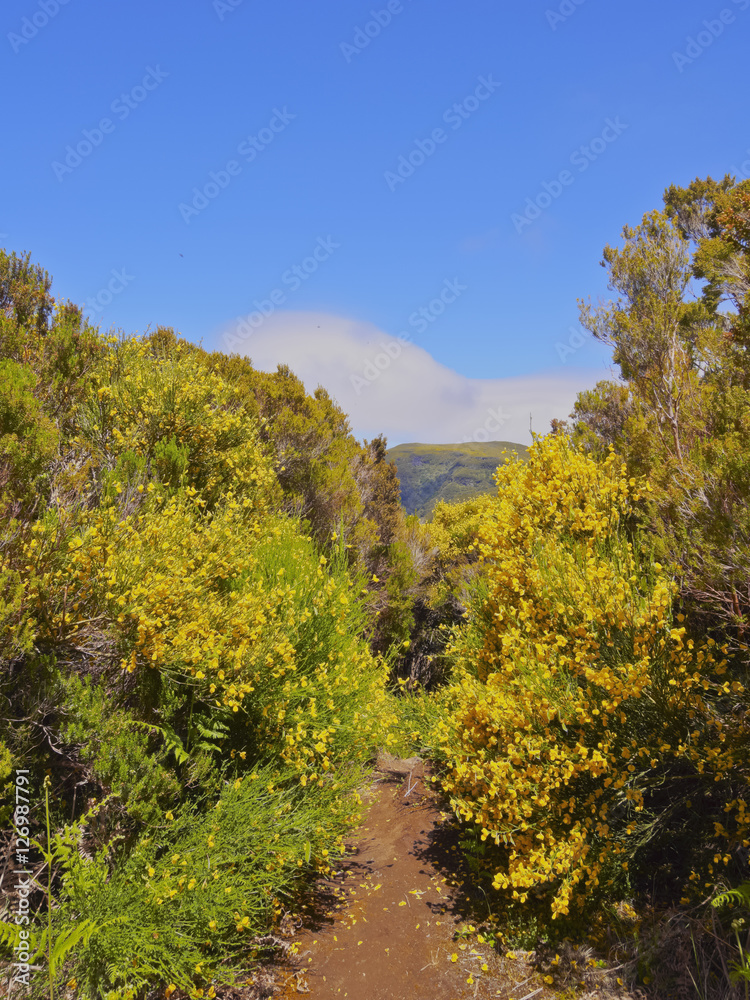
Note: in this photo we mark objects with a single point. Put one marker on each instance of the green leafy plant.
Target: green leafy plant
(738, 897)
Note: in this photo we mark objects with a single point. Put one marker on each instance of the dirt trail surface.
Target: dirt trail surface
(385, 925)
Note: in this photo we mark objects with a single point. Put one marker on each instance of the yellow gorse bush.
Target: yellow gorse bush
(202, 579)
(454, 526)
(579, 706)
(231, 655)
(141, 399)
(201, 597)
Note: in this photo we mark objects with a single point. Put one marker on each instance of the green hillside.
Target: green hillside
(451, 472)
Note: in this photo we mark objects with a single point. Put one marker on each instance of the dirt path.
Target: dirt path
(386, 925)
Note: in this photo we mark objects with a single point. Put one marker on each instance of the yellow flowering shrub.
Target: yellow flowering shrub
(581, 731)
(454, 526)
(185, 904)
(167, 585)
(237, 607)
(165, 415)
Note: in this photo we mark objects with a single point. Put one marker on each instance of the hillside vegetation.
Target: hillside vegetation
(428, 473)
(215, 612)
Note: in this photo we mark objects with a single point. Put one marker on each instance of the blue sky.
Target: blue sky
(303, 113)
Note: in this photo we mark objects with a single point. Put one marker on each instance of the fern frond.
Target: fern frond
(171, 740)
(740, 896)
(66, 941)
(10, 936)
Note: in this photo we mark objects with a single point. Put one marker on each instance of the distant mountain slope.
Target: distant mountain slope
(451, 472)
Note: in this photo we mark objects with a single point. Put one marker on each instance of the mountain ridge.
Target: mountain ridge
(451, 472)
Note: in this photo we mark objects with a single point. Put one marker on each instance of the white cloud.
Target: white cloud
(398, 388)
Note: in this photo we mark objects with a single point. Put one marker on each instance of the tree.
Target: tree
(601, 417)
(649, 326)
(28, 438)
(24, 292)
(682, 413)
(723, 259)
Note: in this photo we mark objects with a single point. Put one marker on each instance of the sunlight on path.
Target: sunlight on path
(385, 926)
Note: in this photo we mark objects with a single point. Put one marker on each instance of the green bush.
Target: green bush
(184, 906)
(114, 749)
(28, 438)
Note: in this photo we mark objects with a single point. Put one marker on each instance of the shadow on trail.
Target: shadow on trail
(392, 919)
